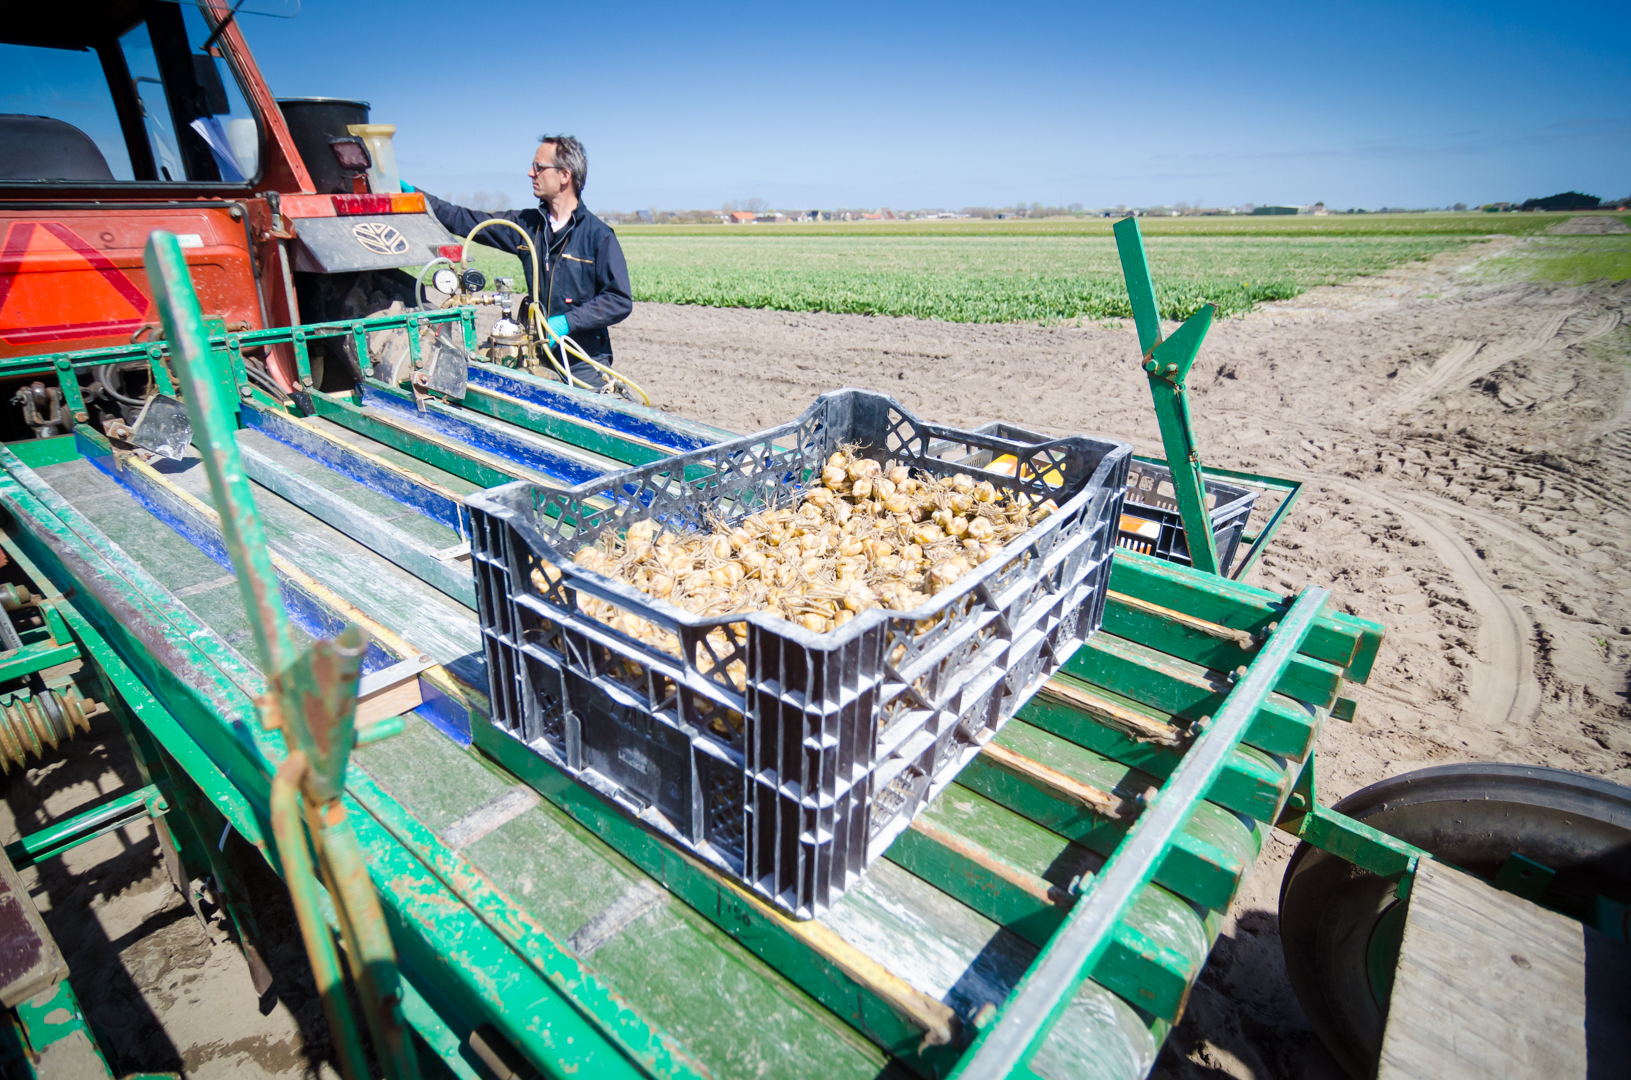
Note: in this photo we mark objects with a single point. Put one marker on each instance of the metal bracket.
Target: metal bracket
(1166, 365)
(1367, 848)
(162, 427)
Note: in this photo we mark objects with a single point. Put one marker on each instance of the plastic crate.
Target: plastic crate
(797, 774)
(1151, 523)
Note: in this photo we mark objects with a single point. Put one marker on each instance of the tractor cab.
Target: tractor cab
(125, 117)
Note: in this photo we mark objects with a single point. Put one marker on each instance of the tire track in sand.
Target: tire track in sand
(1469, 360)
(1508, 694)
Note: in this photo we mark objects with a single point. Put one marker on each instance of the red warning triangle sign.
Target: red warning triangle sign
(54, 287)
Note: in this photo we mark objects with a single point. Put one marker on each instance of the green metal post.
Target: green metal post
(161, 374)
(1166, 365)
(312, 699)
(302, 358)
(288, 826)
(214, 435)
(72, 398)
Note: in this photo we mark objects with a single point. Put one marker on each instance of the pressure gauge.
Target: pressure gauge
(474, 280)
(445, 281)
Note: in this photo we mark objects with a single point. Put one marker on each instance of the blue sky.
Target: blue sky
(916, 105)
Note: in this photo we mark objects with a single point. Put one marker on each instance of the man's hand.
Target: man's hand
(407, 187)
(557, 323)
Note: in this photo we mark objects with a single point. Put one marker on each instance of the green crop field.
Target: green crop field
(1568, 260)
(1050, 271)
(976, 278)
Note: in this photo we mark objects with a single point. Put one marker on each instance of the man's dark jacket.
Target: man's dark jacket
(584, 275)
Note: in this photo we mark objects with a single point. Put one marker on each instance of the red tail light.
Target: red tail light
(402, 203)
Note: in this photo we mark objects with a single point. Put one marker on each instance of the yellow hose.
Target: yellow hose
(573, 348)
(541, 321)
(464, 252)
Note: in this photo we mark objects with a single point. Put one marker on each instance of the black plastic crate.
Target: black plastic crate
(1151, 523)
(788, 758)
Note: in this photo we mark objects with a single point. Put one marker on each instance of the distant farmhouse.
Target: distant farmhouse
(1317, 208)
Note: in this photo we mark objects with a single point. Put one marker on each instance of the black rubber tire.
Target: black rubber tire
(1472, 816)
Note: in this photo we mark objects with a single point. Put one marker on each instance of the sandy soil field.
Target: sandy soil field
(1466, 445)
(1466, 442)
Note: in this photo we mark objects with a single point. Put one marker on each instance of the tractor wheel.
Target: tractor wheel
(1341, 927)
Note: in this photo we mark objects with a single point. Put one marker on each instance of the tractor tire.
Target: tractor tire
(1340, 926)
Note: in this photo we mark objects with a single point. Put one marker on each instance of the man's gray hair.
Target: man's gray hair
(569, 155)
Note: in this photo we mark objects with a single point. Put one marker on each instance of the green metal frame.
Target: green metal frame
(471, 957)
(1021, 1025)
(232, 346)
(1353, 841)
(141, 804)
(1257, 543)
(52, 1022)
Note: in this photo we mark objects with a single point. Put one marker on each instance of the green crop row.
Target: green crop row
(982, 278)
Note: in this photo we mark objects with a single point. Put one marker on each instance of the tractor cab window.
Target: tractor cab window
(194, 116)
(150, 98)
(58, 118)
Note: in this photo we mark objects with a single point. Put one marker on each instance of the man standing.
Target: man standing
(585, 286)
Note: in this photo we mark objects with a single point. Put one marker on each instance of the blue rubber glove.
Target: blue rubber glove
(407, 187)
(557, 323)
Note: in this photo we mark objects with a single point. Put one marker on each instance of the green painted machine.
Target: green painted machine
(280, 614)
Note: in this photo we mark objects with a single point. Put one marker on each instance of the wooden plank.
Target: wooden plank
(1252, 782)
(1350, 643)
(1187, 691)
(30, 963)
(1488, 984)
(1204, 864)
(1213, 645)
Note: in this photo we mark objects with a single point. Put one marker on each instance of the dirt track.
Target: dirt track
(1467, 448)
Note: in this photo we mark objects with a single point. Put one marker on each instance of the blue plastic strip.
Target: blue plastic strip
(592, 409)
(444, 713)
(489, 440)
(304, 610)
(354, 466)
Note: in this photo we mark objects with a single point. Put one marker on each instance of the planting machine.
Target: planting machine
(234, 542)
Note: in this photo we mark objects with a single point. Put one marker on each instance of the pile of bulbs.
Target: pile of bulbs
(869, 536)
